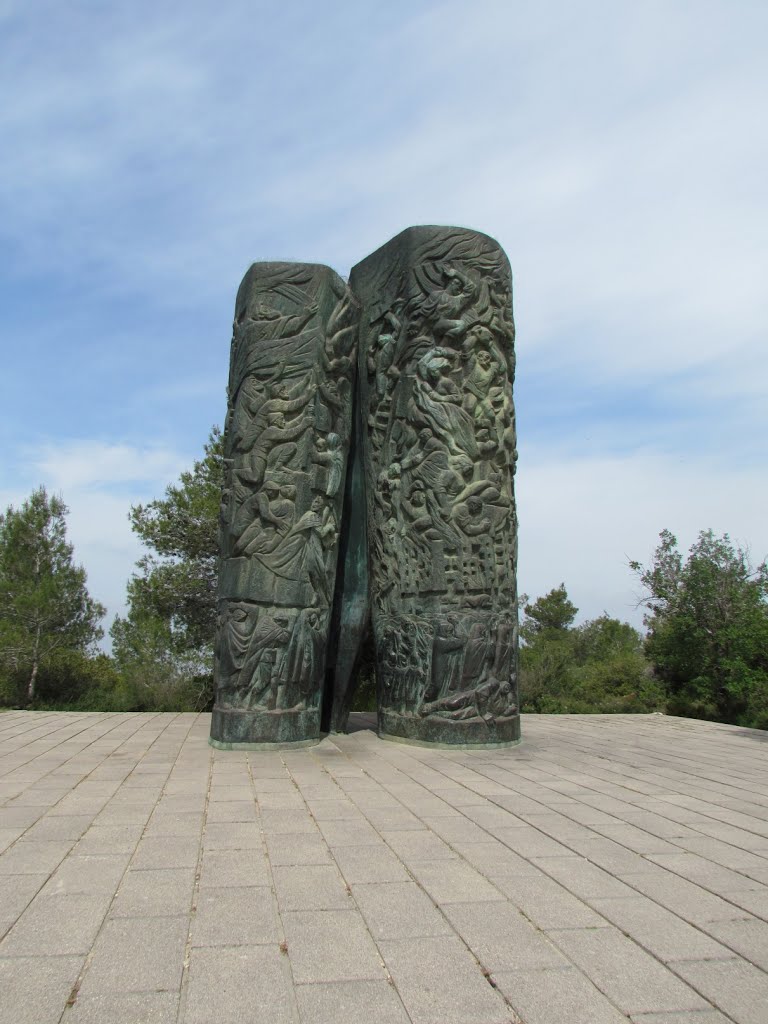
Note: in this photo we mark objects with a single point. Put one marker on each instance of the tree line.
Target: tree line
(704, 653)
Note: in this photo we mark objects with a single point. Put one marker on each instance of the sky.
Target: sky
(151, 151)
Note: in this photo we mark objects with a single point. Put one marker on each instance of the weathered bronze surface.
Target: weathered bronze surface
(424, 518)
(286, 439)
(436, 366)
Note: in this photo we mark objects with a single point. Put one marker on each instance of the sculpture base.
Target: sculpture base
(444, 732)
(235, 729)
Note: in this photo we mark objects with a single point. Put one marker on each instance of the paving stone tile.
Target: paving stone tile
(54, 925)
(631, 978)
(122, 1008)
(35, 990)
(658, 930)
(321, 792)
(459, 829)
(494, 859)
(236, 810)
(8, 836)
(334, 810)
(166, 852)
(127, 814)
(232, 835)
(529, 843)
(310, 887)
(345, 832)
(222, 792)
(87, 874)
(32, 858)
(399, 910)
(458, 796)
(686, 1017)
(292, 848)
(749, 938)
(686, 899)
(704, 872)
(16, 892)
(738, 989)
(234, 867)
(276, 819)
(583, 879)
(440, 982)
(350, 1002)
(189, 823)
(109, 839)
(611, 856)
(635, 838)
(230, 986)
(69, 826)
(155, 892)
(501, 938)
(422, 845)
(392, 818)
(137, 954)
(235, 916)
(454, 881)
(369, 864)
(551, 996)
(331, 945)
(289, 801)
(13, 815)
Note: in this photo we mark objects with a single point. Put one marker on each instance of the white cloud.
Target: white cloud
(583, 519)
(617, 152)
(87, 464)
(99, 483)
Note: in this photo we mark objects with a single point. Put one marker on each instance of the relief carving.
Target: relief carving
(409, 373)
(287, 430)
(437, 366)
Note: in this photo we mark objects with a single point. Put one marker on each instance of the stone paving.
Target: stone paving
(611, 868)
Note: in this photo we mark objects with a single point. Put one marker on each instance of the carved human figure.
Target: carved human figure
(442, 309)
(303, 660)
(329, 453)
(286, 441)
(443, 542)
(447, 649)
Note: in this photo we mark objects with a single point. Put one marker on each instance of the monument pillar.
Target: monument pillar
(436, 366)
(286, 443)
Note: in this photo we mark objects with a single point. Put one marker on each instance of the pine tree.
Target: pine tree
(45, 606)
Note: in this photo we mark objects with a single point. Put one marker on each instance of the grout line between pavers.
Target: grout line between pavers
(181, 1004)
(483, 970)
(89, 956)
(557, 881)
(285, 958)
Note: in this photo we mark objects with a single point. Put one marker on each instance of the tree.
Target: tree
(164, 646)
(708, 628)
(44, 604)
(597, 667)
(555, 611)
(178, 583)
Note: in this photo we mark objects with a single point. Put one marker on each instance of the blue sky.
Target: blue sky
(618, 151)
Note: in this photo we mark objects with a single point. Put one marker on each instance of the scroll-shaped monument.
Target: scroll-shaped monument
(286, 440)
(436, 366)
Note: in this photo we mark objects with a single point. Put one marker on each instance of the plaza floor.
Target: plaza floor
(610, 868)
